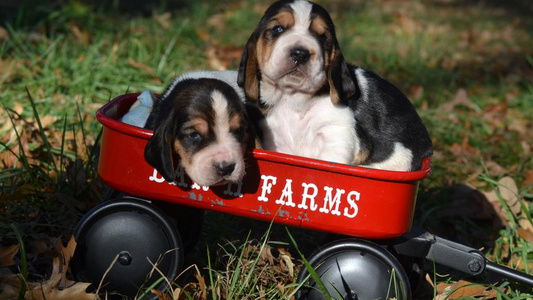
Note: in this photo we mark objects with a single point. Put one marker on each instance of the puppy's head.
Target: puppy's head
(200, 124)
(294, 48)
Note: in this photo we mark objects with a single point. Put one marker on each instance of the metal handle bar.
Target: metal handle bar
(420, 243)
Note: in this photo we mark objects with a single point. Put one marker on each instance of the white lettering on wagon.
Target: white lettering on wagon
(180, 180)
(159, 179)
(286, 195)
(327, 200)
(237, 192)
(266, 188)
(311, 197)
(335, 201)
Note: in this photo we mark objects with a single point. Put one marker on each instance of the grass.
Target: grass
(466, 65)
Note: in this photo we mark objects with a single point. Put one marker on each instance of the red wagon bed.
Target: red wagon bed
(287, 189)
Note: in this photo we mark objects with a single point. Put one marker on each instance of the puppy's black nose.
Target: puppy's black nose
(299, 55)
(224, 168)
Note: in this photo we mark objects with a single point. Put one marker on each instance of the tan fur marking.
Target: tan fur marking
(251, 83)
(200, 125)
(283, 18)
(235, 122)
(361, 157)
(319, 26)
(186, 157)
(335, 98)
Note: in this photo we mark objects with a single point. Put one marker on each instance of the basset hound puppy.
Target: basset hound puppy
(200, 123)
(316, 105)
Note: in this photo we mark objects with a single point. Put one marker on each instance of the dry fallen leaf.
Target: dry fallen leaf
(508, 191)
(464, 149)
(462, 289)
(287, 261)
(4, 34)
(460, 99)
(10, 286)
(142, 67)
(529, 178)
(7, 255)
(61, 262)
(163, 19)
(48, 290)
(201, 283)
(83, 37)
(525, 230)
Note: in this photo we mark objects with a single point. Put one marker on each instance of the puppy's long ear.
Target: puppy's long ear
(248, 77)
(341, 80)
(158, 152)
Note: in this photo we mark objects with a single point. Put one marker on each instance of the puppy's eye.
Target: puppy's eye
(239, 132)
(277, 30)
(322, 38)
(195, 136)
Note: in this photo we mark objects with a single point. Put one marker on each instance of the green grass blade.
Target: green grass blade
(41, 131)
(311, 270)
(23, 261)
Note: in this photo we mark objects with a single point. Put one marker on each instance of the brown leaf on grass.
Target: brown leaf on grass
(522, 126)
(222, 57)
(405, 24)
(286, 262)
(525, 230)
(416, 92)
(266, 255)
(463, 289)
(49, 290)
(460, 99)
(202, 285)
(4, 34)
(494, 169)
(518, 263)
(464, 149)
(163, 19)
(508, 193)
(142, 67)
(61, 262)
(529, 178)
(160, 295)
(10, 286)
(83, 37)
(7, 255)
(219, 57)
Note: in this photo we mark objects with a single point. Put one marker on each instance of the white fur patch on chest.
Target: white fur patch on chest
(312, 128)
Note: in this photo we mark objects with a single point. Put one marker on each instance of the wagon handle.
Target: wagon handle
(420, 243)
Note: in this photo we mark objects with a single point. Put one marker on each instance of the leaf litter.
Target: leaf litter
(57, 286)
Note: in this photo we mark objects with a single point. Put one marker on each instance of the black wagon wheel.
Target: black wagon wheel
(188, 220)
(120, 241)
(352, 269)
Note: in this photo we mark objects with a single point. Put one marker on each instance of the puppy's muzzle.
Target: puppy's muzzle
(299, 55)
(224, 168)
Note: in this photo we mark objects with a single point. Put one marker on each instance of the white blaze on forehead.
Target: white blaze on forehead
(302, 14)
(220, 107)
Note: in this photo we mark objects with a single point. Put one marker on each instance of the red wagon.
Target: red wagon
(364, 203)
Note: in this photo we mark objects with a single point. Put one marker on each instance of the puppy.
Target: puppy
(199, 122)
(316, 105)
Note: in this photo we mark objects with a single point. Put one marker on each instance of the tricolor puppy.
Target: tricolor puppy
(318, 106)
(199, 122)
